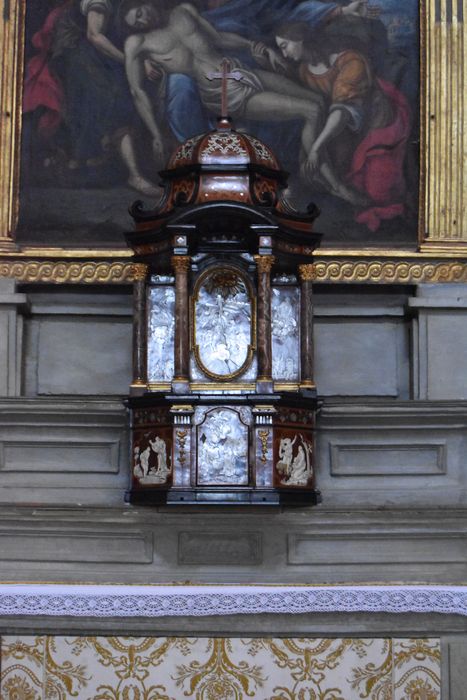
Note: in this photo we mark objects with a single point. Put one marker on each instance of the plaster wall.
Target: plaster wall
(391, 368)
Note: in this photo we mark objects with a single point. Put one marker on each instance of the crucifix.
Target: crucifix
(224, 75)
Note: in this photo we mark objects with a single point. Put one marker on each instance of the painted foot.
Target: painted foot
(352, 196)
(144, 186)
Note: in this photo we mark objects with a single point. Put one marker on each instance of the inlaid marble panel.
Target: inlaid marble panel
(285, 311)
(169, 668)
(161, 322)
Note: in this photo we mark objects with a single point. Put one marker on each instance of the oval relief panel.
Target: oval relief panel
(223, 327)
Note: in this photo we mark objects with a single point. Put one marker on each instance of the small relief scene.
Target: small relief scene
(152, 459)
(161, 324)
(294, 466)
(285, 333)
(222, 449)
(112, 87)
(223, 324)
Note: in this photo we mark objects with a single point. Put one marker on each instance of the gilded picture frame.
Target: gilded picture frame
(439, 256)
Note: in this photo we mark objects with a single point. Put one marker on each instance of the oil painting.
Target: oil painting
(112, 87)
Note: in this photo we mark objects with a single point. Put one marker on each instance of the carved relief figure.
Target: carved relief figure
(223, 449)
(296, 470)
(223, 325)
(144, 460)
(161, 333)
(152, 465)
(285, 455)
(285, 335)
(159, 447)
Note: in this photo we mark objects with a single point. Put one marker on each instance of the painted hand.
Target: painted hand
(312, 163)
(358, 8)
(268, 57)
(151, 70)
(277, 61)
(373, 11)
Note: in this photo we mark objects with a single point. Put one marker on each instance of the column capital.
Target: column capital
(306, 273)
(264, 263)
(139, 272)
(181, 263)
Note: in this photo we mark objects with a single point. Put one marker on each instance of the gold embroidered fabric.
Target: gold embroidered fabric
(170, 668)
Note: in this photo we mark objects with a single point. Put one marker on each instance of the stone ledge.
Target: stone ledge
(406, 414)
(296, 547)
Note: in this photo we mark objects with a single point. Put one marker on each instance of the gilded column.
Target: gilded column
(264, 264)
(140, 272)
(306, 274)
(445, 114)
(181, 266)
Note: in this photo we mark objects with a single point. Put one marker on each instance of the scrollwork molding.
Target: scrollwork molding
(338, 270)
(390, 271)
(70, 272)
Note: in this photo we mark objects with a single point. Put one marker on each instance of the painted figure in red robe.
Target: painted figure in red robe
(365, 126)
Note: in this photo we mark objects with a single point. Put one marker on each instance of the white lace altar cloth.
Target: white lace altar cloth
(206, 600)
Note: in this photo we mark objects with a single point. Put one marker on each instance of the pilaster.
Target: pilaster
(439, 341)
(11, 337)
(445, 152)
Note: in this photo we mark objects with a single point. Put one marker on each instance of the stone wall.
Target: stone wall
(391, 369)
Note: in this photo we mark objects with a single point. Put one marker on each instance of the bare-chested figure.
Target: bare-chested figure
(181, 41)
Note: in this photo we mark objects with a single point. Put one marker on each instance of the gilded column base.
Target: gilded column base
(444, 247)
(7, 245)
(181, 385)
(265, 385)
(138, 388)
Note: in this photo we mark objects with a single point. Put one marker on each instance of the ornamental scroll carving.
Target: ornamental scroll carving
(337, 270)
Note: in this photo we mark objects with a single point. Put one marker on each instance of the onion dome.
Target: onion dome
(223, 165)
(222, 169)
(223, 146)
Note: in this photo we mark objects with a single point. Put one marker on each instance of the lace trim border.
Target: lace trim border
(108, 601)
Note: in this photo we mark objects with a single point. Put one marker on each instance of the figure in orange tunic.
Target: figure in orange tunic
(362, 143)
